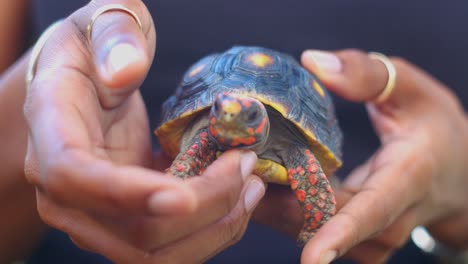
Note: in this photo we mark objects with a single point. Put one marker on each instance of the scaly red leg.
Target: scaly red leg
(312, 190)
(195, 157)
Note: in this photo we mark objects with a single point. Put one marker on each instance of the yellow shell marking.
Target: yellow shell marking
(318, 88)
(260, 60)
(196, 71)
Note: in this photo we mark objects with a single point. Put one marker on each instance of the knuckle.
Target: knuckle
(240, 233)
(54, 175)
(46, 212)
(232, 231)
(350, 224)
(400, 62)
(353, 54)
(31, 172)
(34, 100)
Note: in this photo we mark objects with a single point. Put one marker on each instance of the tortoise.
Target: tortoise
(259, 99)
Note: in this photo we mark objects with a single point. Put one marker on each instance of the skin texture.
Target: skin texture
(420, 110)
(421, 164)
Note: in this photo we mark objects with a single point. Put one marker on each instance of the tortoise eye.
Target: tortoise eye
(217, 106)
(253, 115)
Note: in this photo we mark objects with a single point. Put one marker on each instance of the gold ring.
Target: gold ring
(390, 86)
(36, 50)
(107, 8)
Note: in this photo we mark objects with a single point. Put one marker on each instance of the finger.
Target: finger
(280, 210)
(216, 193)
(355, 76)
(86, 232)
(116, 58)
(205, 243)
(91, 235)
(369, 252)
(384, 197)
(79, 180)
(72, 167)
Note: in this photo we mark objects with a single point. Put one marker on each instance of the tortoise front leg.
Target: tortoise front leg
(312, 189)
(195, 157)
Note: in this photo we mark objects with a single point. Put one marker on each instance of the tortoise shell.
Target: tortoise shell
(275, 79)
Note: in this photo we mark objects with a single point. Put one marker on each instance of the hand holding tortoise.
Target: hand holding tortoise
(417, 177)
(89, 152)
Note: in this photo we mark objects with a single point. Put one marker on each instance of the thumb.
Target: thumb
(121, 37)
(358, 77)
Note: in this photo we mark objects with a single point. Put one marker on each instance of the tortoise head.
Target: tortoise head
(238, 121)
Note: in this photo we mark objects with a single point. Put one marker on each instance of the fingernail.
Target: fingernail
(164, 202)
(247, 163)
(325, 61)
(255, 191)
(121, 56)
(327, 257)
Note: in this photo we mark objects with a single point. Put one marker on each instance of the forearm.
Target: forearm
(20, 226)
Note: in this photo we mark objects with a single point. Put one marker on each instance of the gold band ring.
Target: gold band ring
(107, 8)
(390, 86)
(36, 50)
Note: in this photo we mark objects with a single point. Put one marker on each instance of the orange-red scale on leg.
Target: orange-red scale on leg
(313, 168)
(313, 179)
(321, 203)
(293, 184)
(318, 216)
(313, 191)
(300, 194)
(323, 196)
(180, 168)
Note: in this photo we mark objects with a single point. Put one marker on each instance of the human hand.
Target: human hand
(89, 151)
(417, 177)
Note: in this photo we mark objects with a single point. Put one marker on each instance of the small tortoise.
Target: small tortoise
(255, 98)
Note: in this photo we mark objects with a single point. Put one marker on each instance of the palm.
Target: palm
(124, 135)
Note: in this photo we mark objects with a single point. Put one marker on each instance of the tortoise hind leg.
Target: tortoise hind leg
(195, 157)
(312, 190)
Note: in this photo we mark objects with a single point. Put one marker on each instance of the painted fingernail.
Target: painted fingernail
(325, 61)
(121, 56)
(327, 257)
(255, 191)
(247, 163)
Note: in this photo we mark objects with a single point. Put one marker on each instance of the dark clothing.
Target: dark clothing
(431, 34)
